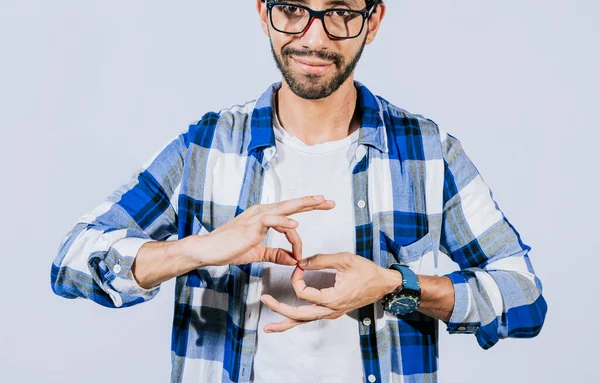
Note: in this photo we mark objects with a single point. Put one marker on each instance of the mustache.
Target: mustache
(328, 56)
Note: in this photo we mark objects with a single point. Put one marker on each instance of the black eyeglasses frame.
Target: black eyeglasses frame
(312, 14)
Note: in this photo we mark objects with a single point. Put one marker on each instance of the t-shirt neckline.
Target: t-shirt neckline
(294, 142)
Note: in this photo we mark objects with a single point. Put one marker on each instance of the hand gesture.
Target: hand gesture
(239, 241)
(358, 282)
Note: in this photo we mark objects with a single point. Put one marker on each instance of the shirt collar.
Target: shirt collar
(372, 130)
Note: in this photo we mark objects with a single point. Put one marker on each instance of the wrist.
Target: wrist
(188, 252)
(392, 280)
(407, 296)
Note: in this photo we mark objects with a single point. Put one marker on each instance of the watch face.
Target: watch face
(403, 305)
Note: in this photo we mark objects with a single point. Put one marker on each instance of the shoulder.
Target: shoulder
(402, 124)
(227, 129)
(436, 141)
(399, 120)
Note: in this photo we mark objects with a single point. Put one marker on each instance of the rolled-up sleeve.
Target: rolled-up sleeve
(95, 257)
(497, 293)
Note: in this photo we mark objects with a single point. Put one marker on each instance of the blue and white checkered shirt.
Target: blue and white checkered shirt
(416, 193)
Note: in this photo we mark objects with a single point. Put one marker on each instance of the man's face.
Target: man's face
(313, 65)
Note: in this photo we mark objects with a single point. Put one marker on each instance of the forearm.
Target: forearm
(157, 262)
(437, 297)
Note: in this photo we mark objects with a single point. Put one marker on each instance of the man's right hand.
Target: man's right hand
(234, 243)
(239, 241)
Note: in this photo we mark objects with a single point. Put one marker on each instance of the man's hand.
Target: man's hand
(239, 241)
(236, 242)
(358, 282)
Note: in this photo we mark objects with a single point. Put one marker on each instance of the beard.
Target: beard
(311, 86)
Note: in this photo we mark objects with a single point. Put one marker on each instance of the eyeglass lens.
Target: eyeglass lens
(339, 23)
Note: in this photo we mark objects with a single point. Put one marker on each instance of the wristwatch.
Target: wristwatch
(406, 298)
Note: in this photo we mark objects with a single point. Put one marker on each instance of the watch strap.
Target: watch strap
(410, 280)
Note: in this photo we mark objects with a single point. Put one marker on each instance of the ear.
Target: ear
(375, 22)
(261, 8)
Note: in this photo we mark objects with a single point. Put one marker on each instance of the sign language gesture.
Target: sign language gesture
(358, 283)
(239, 241)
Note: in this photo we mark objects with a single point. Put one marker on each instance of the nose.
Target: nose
(314, 36)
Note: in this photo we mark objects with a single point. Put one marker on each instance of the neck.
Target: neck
(317, 121)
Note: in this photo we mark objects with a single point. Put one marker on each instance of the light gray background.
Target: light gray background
(89, 90)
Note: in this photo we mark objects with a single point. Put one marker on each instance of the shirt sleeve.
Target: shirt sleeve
(94, 259)
(497, 293)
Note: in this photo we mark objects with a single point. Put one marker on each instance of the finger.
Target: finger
(300, 205)
(310, 294)
(273, 220)
(276, 255)
(294, 238)
(257, 210)
(282, 326)
(326, 205)
(338, 261)
(300, 313)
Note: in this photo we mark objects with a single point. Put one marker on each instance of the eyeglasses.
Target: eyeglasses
(339, 23)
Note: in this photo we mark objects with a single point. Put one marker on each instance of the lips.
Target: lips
(312, 67)
(312, 63)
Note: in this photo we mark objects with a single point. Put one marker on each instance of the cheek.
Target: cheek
(282, 41)
(348, 51)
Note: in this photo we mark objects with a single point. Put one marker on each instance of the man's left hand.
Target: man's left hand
(358, 282)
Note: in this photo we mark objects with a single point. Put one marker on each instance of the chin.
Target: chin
(309, 86)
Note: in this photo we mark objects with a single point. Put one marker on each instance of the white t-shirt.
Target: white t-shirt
(324, 350)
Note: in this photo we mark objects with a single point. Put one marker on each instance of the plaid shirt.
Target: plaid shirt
(416, 193)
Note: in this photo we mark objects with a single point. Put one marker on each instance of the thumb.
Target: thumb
(338, 261)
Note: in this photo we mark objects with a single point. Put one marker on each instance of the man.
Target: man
(346, 290)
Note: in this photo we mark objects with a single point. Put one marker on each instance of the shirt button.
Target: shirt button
(117, 269)
(361, 204)
(372, 378)
(462, 328)
(367, 321)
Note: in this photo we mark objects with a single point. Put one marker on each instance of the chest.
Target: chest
(393, 207)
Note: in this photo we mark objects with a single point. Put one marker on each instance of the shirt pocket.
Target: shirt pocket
(405, 254)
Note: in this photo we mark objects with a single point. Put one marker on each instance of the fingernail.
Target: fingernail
(303, 262)
(318, 197)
